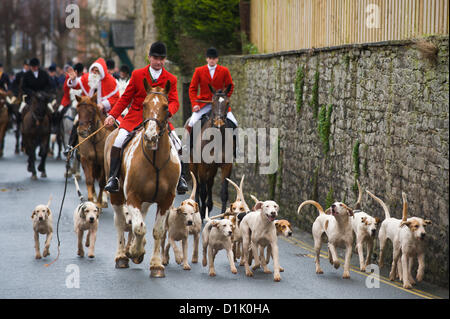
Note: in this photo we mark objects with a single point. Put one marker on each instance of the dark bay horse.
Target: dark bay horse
(36, 131)
(3, 119)
(149, 174)
(91, 152)
(206, 170)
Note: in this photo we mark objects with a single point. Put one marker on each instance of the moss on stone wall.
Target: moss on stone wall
(315, 94)
(356, 171)
(324, 125)
(299, 84)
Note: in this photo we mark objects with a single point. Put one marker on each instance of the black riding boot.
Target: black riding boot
(182, 186)
(73, 139)
(112, 185)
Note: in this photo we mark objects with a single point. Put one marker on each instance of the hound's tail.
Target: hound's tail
(254, 199)
(49, 200)
(405, 208)
(358, 203)
(386, 210)
(207, 219)
(80, 196)
(312, 202)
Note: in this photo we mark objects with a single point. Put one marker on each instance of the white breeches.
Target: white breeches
(122, 135)
(198, 115)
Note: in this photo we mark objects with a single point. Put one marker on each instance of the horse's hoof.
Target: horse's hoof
(138, 260)
(33, 177)
(157, 273)
(43, 175)
(122, 263)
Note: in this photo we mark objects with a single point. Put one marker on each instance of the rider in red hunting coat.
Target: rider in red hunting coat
(212, 73)
(135, 93)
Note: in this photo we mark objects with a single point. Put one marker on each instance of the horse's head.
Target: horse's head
(39, 104)
(155, 114)
(220, 102)
(87, 114)
(3, 96)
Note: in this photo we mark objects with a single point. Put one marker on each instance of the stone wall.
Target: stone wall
(383, 108)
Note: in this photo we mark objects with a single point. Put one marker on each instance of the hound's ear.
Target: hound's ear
(33, 214)
(377, 220)
(405, 223)
(78, 98)
(240, 216)
(196, 206)
(167, 88)
(328, 211)
(350, 211)
(214, 223)
(180, 210)
(258, 206)
(211, 89)
(427, 222)
(147, 86)
(49, 212)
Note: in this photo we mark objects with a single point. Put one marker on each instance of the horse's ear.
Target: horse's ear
(94, 98)
(78, 98)
(228, 89)
(167, 88)
(147, 86)
(211, 89)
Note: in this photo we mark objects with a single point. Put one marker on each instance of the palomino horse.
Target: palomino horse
(149, 174)
(3, 120)
(92, 151)
(203, 171)
(36, 131)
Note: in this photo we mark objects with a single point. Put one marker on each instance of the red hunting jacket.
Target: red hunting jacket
(65, 101)
(135, 94)
(202, 77)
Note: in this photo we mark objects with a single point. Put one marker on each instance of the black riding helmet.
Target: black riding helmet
(158, 49)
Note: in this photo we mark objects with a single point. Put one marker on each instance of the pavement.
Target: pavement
(72, 277)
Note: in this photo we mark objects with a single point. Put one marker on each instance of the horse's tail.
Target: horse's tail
(385, 208)
(312, 202)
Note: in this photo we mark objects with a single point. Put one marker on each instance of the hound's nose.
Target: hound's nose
(422, 236)
(373, 231)
(129, 222)
(290, 233)
(189, 223)
(91, 220)
(40, 218)
(273, 214)
(230, 233)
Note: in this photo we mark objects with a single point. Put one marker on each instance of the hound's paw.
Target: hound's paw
(38, 256)
(346, 275)
(249, 273)
(212, 273)
(267, 271)
(277, 278)
(407, 285)
(187, 267)
(319, 271)
(419, 277)
(255, 267)
(281, 269)
(204, 262)
(80, 253)
(336, 264)
(91, 255)
(194, 260)
(234, 271)
(45, 253)
(178, 260)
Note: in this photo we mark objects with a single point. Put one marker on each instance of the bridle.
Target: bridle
(218, 110)
(92, 122)
(162, 125)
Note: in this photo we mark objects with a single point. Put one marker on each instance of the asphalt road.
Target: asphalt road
(22, 276)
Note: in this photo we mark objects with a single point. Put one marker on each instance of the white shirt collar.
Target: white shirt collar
(212, 67)
(155, 74)
(36, 74)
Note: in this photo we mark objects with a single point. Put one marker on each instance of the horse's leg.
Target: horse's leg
(156, 266)
(17, 149)
(139, 229)
(102, 201)
(203, 194)
(88, 168)
(121, 258)
(209, 186)
(226, 173)
(43, 151)
(30, 150)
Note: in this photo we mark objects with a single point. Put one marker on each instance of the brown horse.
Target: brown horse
(36, 131)
(203, 171)
(3, 120)
(150, 171)
(92, 151)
